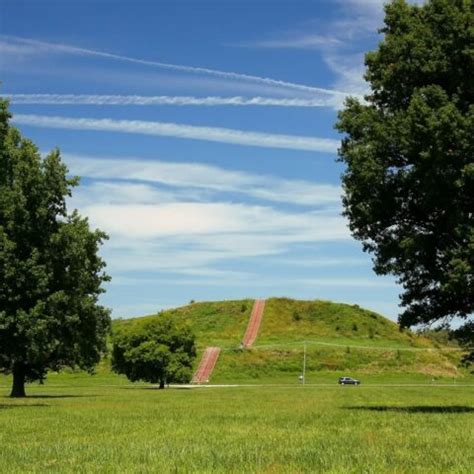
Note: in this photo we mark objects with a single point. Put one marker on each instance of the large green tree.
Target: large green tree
(50, 271)
(156, 351)
(409, 155)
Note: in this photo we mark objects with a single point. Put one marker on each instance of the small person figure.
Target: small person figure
(301, 378)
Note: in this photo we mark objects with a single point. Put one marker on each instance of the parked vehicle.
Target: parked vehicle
(348, 381)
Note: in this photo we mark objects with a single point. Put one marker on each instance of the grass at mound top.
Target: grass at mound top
(216, 323)
(69, 426)
(287, 320)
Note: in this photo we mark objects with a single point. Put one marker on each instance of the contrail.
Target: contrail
(164, 129)
(86, 99)
(175, 67)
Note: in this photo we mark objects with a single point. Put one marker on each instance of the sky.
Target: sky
(203, 132)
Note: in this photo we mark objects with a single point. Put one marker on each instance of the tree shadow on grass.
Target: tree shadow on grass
(139, 387)
(4, 406)
(59, 396)
(416, 409)
(39, 396)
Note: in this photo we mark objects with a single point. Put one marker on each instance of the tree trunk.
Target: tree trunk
(18, 387)
(162, 384)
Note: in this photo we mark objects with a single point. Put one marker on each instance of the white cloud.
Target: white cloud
(321, 262)
(190, 236)
(228, 278)
(356, 282)
(349, 70)
(203, 272)
(190, 219)
(214, 134)
(196, 176)
(374, 6)
(177, 230)
(299, 41)
(357, 32)
(86, 99)
(124, 192)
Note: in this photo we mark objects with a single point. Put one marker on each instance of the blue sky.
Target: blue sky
(203, 132)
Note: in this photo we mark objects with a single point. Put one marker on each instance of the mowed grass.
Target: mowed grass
(103, 424)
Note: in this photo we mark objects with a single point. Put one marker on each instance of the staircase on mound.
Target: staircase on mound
(254, 323)
(206, 366)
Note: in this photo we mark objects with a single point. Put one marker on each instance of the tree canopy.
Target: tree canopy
(50, 273)
(409, 156)
(156, 351)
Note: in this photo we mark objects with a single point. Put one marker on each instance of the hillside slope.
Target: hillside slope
(339, 338)
(216, 323)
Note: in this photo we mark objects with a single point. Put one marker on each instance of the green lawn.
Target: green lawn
(76, 423)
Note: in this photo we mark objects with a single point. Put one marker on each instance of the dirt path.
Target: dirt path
(254, 323)
(206, 366)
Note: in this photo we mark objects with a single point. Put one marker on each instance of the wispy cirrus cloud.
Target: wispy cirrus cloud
(205, 238)
(183, 236)
(177, 217)
(242, 279)
(191, 176)
(216, 218)
(323, 262)
(174, 230)
(87, 99)
(293, 41)
(165, 129)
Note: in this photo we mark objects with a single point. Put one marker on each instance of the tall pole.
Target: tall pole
(304, 364)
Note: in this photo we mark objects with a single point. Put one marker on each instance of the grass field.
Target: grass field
(413, 413)
(77, 423)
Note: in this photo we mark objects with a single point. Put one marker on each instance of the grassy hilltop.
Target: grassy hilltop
(340, 338)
